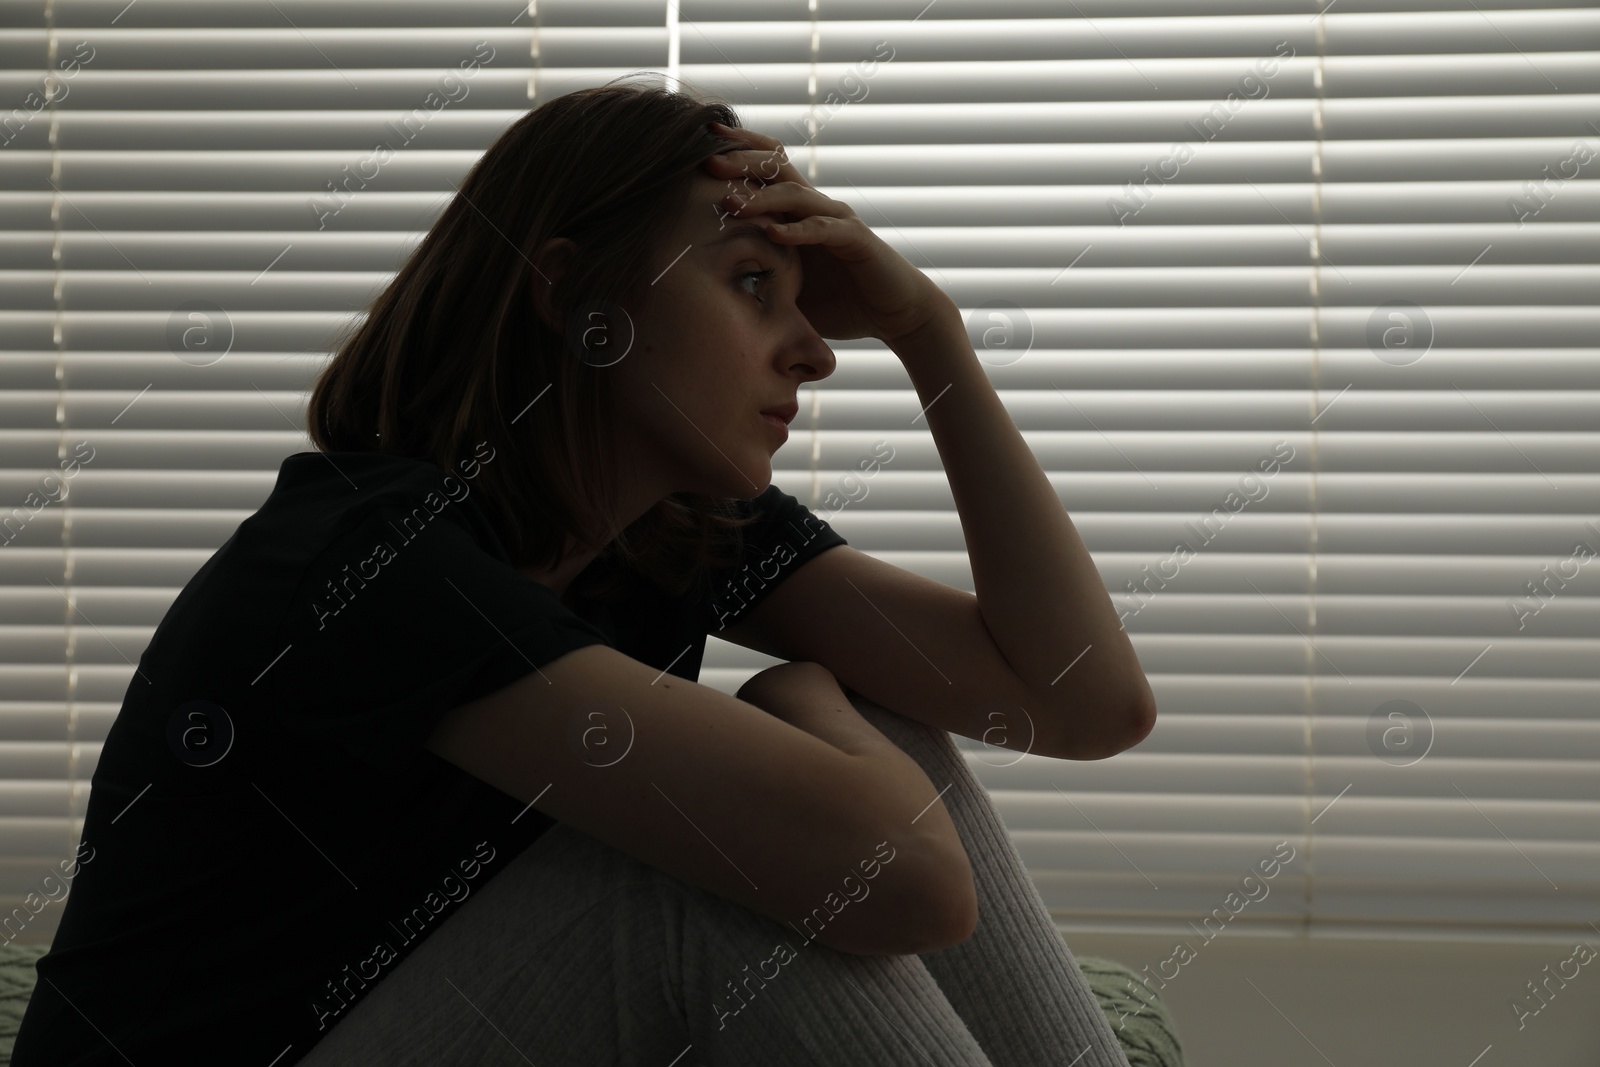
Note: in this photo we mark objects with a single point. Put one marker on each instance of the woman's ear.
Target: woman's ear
(551, 262)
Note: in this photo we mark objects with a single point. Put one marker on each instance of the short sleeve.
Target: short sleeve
(785, 536)
(407, 614)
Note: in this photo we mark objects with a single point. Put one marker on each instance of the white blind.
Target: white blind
(1313, 295)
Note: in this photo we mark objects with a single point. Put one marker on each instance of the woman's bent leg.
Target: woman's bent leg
(1014, 981)
(530, 968)
(578, 954)
(757, 992)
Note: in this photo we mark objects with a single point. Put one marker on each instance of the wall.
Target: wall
(1249, 1001)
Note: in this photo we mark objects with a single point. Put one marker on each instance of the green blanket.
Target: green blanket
(17, 977)
(1137, 1016)
(1146, 1031)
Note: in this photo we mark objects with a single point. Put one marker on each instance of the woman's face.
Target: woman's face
(714, 344)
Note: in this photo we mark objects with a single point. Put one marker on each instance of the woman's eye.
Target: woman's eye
(763, 275)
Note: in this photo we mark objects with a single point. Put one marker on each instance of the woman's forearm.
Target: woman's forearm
(812, 700)
(905, 803)
(1036, 583)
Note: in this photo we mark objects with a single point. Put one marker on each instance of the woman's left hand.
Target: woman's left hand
(855, 285)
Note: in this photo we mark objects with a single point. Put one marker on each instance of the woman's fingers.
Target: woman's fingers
(767, 160)
(816, 219)
(757, 167)
(792, 197)
(810, 218)
(754, 137)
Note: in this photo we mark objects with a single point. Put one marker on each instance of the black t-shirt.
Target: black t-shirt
(266, 836)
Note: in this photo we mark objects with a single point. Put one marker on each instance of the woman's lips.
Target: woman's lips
(773, 420)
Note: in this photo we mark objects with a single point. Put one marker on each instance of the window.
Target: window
(1310, 295)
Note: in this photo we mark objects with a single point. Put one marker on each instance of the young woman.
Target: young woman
(416, 770)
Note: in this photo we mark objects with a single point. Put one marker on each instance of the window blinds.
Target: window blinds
(1297, 308)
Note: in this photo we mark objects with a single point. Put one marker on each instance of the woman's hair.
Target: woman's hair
(453, 353)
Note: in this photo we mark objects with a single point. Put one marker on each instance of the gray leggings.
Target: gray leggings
(578, 954)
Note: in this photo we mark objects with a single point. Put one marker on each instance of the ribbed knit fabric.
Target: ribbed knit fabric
(578, 955)
(1014, 981)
